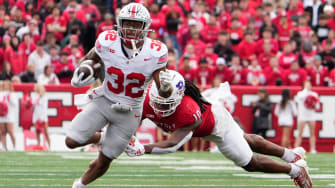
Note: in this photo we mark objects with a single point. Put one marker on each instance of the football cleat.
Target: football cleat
(299, 154)
(303, 180)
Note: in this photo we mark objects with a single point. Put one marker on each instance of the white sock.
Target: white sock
(295, 169)
(78, 184)
(288, 156)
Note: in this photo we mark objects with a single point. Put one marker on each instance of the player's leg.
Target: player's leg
(260, 145)
(312, 139)
(46, 132)
(301, 126)
(3, 135)
(10, 130)
(84, 126)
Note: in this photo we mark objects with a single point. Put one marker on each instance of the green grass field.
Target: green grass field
(56, 169)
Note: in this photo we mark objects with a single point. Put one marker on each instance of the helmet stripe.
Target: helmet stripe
(133, 9)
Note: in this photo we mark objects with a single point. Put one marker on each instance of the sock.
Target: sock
(295, 169)
(78, 184)
(288, 156)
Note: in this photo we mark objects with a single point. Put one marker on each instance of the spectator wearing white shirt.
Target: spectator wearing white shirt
(48, 76)
(39, 58)
(285, 111)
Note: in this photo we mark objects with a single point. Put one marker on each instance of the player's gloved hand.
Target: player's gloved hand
(134, 148)
(78, 81)
(165, 80)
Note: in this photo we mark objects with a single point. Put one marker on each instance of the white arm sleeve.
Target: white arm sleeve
(172, 149)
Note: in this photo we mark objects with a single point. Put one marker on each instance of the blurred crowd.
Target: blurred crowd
(244, 42)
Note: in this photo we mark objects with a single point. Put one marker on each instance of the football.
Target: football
(88, 67)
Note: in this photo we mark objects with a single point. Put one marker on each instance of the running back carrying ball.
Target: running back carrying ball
(88, 71)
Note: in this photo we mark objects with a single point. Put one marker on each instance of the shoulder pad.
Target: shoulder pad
(107, 38)
(157, 48)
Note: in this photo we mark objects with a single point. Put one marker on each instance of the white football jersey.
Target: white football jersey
(126, 80)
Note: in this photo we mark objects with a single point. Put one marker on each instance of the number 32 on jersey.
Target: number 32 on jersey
(119, 82)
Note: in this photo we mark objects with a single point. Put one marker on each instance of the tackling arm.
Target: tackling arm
(178, 138)
(162, 83)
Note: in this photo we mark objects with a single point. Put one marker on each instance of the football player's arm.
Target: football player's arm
(177, 139)
(91, 55)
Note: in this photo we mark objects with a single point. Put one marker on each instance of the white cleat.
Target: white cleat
(303, 180)
(299, 154)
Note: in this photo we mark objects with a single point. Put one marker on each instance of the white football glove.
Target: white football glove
(165, 80)
(77, 81)
(134, 148)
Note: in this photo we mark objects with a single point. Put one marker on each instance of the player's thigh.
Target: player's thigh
(119, 132)
(235, 147)
(88, 122)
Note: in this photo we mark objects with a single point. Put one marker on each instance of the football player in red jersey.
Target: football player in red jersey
(131, 61)
(185, 114)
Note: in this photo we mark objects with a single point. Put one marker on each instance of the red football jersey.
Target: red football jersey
(187, 113)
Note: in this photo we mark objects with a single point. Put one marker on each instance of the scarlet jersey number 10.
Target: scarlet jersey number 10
(119, 79)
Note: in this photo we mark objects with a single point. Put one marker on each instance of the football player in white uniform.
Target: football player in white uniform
(130, 61)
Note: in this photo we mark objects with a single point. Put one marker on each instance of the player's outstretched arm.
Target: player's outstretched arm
(177, 139)
(162, 80)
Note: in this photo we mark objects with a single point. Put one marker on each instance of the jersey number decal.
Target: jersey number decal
(155, 44)
(111, 35)
(119, 78)
(197, 116)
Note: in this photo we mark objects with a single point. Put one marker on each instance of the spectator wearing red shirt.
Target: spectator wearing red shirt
(295, 76)
(77, 10)
(285, 29)
(247, 46)
(189, 52)
(210, 55)
(210, 32)
(331, 37)
(157, 20)
(236, 33)
(17, 18)
(8, 4)
(13, 55)
(264, 57)
(186, 71)
(287, 57)
(318, 74)
(196, 42)
(255, 75)
(239, 72)
(295, 9)
(267, 35)
(107, 24)
(172, 62)
(303, 29)
(236, 14)
(26, 48)
(184, 33)
(54, 56)
(172, 5)
(55, 24)
(222, 71)
(204, 75)
(2, 14)
(274, 73)
(259, 17)
(64, 69)
(306, 55)
(73, 42)
(92, 12)
(247, 12)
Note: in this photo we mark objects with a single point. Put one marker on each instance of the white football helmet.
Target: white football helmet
(164, 107)
(134, 12)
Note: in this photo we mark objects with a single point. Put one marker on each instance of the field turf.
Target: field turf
(178, 170)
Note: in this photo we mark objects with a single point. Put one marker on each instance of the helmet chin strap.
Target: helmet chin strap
(135, 50)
